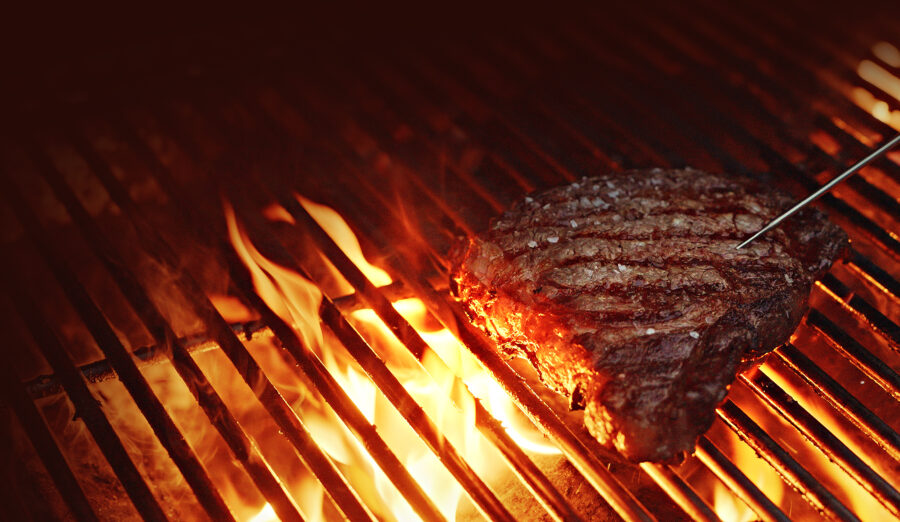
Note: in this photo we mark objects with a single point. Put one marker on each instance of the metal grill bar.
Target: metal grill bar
(671, 483)
(321, 380)
(823, 439)
(792, 472)
(680, 491)
(841, 399)
(875, 275)
(118, 356)
(710, 455)
(46, 447)
(866, 361)
(664, 476)
(380, 374)
(861, 309)
(243, 448)
(100, 371)
(536, 146)
(85, 403)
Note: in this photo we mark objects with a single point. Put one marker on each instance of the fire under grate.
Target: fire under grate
(191, 337)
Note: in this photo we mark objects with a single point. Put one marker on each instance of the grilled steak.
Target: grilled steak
(628, 296)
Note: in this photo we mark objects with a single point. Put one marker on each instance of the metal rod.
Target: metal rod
(774, 158)
(243, 448)
(536, 481)
(313, 369)
(859, 308)
(841, 399)
(825, 188)
(100, 371)
(118, 357)
(873, 367)
(790, 470)
(490, 427)
(743, 487)
(678, 490)
(87, 406)
(824, 440)
(42, 439)
(745, 101)
(594, 472)
(407, 335)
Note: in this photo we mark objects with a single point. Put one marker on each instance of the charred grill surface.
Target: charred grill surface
(627, 294)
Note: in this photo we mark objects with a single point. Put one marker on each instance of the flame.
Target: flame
(296, 299)
(884, 80)
(729, 508)
(266, 514)
(827, 471)
(879, 77)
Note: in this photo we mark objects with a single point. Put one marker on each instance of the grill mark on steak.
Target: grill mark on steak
(676, 218)
(566, 207)
(642, 311)
(647, 207)
(629, 254)
(618, 277)
(689, 228)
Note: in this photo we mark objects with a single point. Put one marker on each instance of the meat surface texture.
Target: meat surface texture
(627, 294)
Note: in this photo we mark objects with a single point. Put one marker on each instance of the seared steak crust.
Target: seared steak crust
(627, 294)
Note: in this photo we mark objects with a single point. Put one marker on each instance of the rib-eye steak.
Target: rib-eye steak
(627, 294)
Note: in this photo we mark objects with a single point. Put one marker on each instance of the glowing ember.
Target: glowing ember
(887, 53)
(884, 80)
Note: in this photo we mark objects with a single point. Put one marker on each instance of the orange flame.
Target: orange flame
(296, 300)
(884, 80)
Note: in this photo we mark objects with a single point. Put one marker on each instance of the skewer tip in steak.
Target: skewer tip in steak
(627, 294)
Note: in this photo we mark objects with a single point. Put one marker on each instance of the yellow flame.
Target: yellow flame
(340, 232)
(879, 77)
(266, 514)
(729, 508)
(296, 300)
(878, 108)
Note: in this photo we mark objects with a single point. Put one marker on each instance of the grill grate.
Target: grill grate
(426, 142)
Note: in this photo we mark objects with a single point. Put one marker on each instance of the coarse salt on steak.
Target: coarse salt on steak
(627, 294)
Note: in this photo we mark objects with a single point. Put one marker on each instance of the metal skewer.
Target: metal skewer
(825, 188)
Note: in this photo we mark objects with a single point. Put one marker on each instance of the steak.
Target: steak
(628, 296)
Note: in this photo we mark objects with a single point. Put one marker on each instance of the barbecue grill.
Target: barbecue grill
(225, 268)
